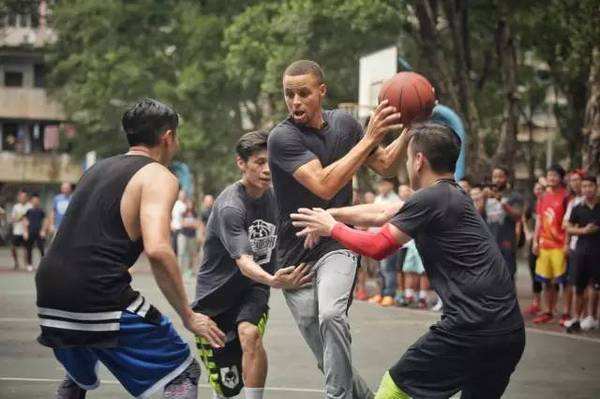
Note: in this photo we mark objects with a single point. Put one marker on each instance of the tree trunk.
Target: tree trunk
(591, 129)
(507, 58)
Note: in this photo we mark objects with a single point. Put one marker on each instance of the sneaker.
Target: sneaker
(185, 385)
(408, 300)
(563, 318)
(399, 298)
(589, 323)
(387, 301)
(532, 310)
(570, 322)
(361, 295)
(422, 303)
(29, 268)
(375, 299)
(438, 306)
(574, 328)
(68, 389)
(543, 318)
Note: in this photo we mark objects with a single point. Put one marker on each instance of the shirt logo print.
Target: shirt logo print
(262, 240)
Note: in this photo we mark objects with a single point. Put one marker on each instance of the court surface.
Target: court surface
(554, 364)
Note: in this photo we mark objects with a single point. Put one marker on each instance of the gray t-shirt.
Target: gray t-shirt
(462, 261)
(291, 146)
(238, 225)
(502, 226)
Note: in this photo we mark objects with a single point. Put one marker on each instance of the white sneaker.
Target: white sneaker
(29, 268)
(570, 322)
(438, 306)
(589, 323)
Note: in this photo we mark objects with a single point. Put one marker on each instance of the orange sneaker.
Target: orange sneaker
(543, 318)
(533, 309)
(375, 299)
(388, 301)
(361, 295)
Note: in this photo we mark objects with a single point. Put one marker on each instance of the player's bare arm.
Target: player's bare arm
(158, 194)
(386, 161)
(326, 182)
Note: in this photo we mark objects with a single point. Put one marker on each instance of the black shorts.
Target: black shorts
(18, 241)
(440, 364)
(586, 265)
(225, 365)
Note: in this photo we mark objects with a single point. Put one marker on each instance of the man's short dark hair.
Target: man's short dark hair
(305, 67)
(251, 143)
(558, 169)
(504, 169)
(439, 144)
(147, 120)
(590, 178)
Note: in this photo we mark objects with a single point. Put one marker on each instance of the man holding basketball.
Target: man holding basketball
(480, 338)
(313, 155)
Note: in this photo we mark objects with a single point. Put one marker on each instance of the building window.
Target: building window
(10, 132)
(39, 75)
(13, 79)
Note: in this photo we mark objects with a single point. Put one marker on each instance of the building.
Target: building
(33, 132)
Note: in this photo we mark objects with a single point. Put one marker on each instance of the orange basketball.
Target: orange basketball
(411, 94)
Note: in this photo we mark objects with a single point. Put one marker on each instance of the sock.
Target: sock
(410, 293)
(422, 294)
(253, 393)
(389, 390)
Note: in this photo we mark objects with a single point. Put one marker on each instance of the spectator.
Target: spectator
(529, 223)
(176, 219)
(207, 203)
(503, 210)
(367, 264)
(404, 192)
(574, 187)
(478, 198)
(549, 241)
(35, 230)
(584, 223)
(189, 228)
(18, 225)
(60, 204)
(387, 266)
(465, 184)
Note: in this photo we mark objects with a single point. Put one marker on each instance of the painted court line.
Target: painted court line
(113, 382)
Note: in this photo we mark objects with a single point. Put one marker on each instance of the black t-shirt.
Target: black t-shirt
(239, 225)
(35, 216)
(205, 215)
(291, 146)
(581, 216)
(462, 261)
(501, 224)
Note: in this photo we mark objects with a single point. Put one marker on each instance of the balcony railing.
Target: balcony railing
(38, 168)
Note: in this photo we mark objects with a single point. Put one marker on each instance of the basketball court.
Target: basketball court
(554, 364)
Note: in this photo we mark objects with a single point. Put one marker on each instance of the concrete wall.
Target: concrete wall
(38, 168)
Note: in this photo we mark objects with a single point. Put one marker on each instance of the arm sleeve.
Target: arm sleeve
(232, 233)
(417, 213)
(377, 245)
(287, 151)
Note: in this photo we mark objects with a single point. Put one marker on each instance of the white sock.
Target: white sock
(253, 393)
(422, 294)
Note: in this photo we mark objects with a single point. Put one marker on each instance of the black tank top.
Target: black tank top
(87, 266)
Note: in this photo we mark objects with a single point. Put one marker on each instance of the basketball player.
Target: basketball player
(480, 338)
(236, 273)
(88, 311)
(313, 155)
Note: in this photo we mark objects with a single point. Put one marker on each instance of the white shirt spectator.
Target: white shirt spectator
(177, 215)
(18, 211)
(389, 198)
(572, 204)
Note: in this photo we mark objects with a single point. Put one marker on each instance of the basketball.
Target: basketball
(411, 94)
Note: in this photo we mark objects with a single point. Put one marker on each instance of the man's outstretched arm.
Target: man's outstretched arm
(366, 215)
(377, 245)
(327, 182)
